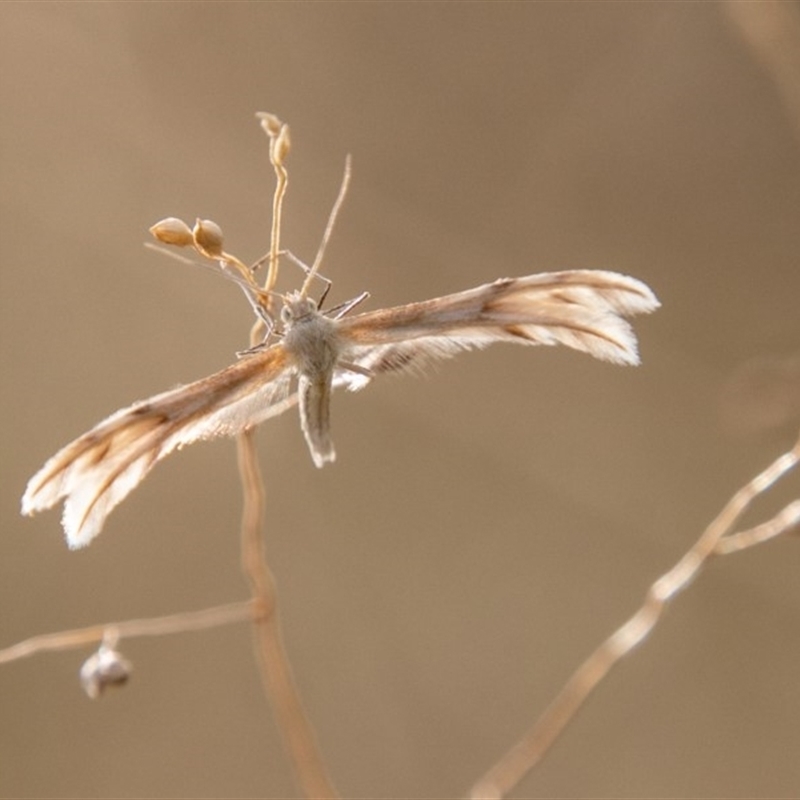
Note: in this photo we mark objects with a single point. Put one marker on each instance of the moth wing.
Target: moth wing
(98, 470)
(582, 309)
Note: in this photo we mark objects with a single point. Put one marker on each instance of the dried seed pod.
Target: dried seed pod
(270, 123)
(104, 668)
(208, 238)
(173, 231)
(278, 133)
(281, 145)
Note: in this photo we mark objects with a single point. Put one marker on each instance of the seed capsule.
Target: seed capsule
(208, 238)
(173, 231)
(104, 668)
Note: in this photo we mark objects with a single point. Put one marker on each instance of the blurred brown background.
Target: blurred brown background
(484, 528)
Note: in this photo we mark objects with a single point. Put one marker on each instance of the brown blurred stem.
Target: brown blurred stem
(717, 539)
(276, 671)
(130, 629)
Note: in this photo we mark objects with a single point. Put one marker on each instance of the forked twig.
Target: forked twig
(717, 539)
(783, 521)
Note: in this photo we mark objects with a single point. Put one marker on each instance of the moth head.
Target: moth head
(296, 307)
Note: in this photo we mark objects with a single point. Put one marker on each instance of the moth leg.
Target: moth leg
(256, 265)
(264, 343)
(254, 294)
(357, 368)
(337, 312)
(256, 348)
(264, 316)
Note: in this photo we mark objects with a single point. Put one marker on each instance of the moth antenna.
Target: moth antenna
(232, 270)
(329, 228)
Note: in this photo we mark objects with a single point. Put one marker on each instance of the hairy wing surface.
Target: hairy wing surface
(582, 309)
(98, 470)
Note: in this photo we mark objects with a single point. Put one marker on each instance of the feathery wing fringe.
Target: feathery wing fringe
(582, 309)
(99, 469)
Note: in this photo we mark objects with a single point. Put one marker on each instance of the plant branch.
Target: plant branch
(276, 671)
(130, 629)
(715, 540)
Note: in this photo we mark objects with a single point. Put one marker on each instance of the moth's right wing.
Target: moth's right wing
(582, 309)
(99, 469)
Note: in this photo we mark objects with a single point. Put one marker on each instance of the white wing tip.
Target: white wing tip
(35, 499)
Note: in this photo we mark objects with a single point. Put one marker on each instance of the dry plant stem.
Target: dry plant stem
(129, 629)
(772, 33)
(513, 766)
(329, 227)
(787, 518)
(277, 205)
(276, 672)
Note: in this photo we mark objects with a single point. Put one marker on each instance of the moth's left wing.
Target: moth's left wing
(98, 470)
(582, 309)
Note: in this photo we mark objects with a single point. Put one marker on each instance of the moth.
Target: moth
(315, 352)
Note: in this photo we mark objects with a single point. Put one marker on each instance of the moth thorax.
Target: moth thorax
(313, 342)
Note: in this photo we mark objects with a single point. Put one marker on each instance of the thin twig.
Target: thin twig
(524, 755)
(786, 519)
(329, 227)
(279, 145)
(275, 668)
(130, 629)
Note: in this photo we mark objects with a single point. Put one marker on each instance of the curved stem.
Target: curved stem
(276, 672)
